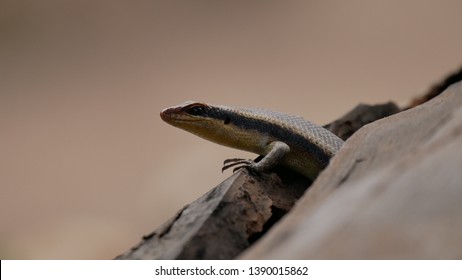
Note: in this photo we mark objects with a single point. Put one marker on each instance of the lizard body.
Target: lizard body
(282, 139)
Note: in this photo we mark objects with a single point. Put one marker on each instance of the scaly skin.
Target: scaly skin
(281, 139)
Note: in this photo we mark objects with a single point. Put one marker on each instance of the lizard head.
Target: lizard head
(214, 123)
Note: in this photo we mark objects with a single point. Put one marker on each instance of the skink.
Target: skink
(280, 138)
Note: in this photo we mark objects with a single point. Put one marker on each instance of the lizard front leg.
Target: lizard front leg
(276, 150)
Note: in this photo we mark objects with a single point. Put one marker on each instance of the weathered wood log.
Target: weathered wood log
(394, 191)
(361, 115)
(224, 221)
(437, 89)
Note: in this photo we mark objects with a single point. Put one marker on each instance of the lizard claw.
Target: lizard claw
(237, 163)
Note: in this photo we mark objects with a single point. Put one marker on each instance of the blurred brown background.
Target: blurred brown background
(87, 166)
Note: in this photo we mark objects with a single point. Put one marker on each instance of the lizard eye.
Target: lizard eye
(196, 110)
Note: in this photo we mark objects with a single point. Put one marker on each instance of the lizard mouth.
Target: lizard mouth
(173, 115)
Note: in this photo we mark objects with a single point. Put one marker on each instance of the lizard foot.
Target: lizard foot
(239, 163)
